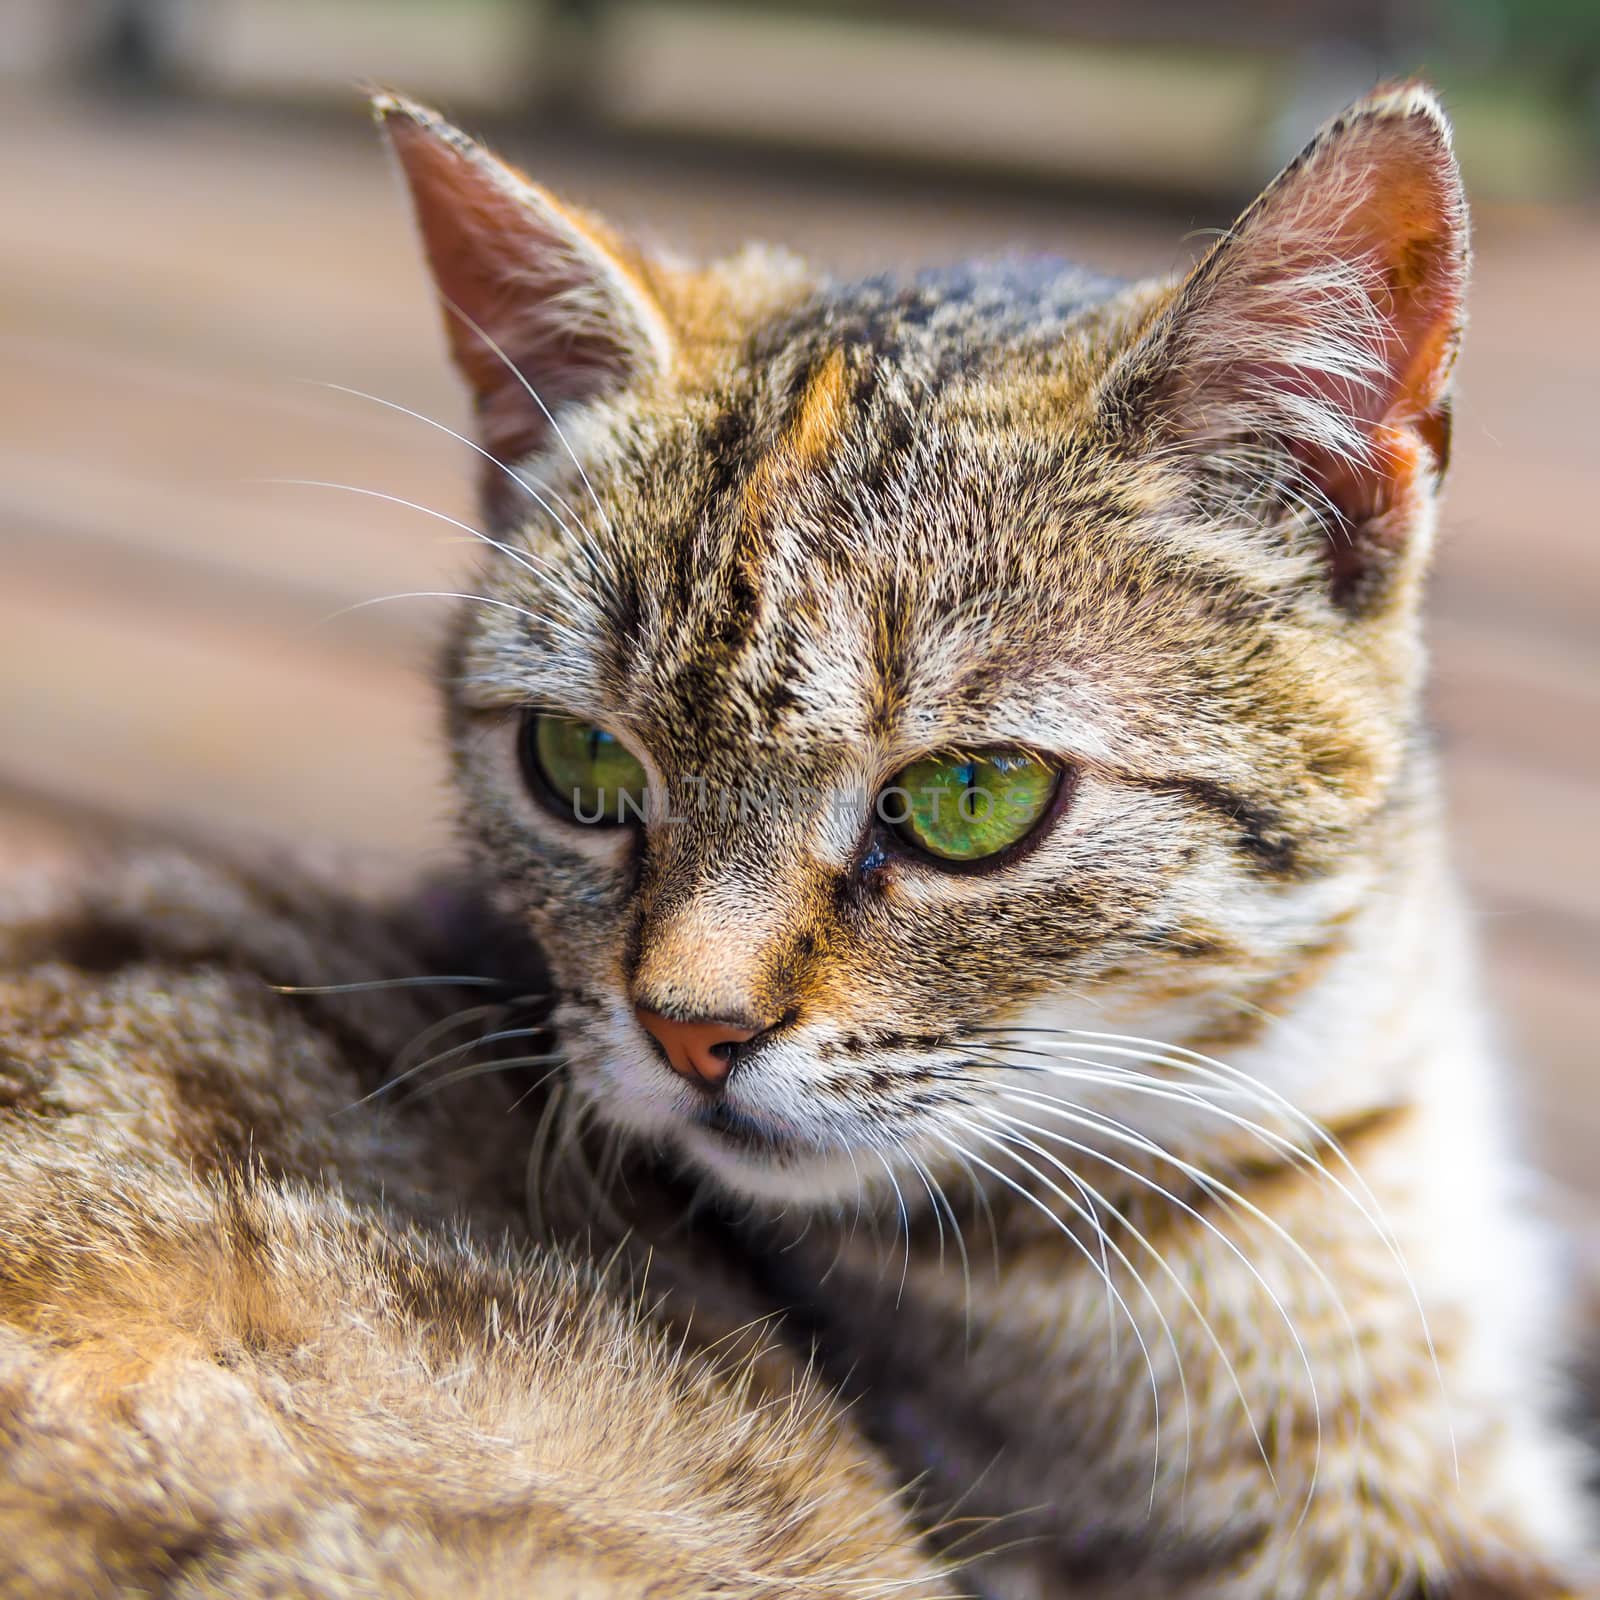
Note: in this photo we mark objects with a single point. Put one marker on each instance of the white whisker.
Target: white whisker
(1155, 1388)
(542, 570)
(528, 484)
(938, 1221)
(533, 394)
(905, 1224)
(1076, 1115)
(391, 1084)
(436, 594)
(437, 1030)
(481, 1069)
(1182, 1059)
(941, 1204)
(535, 1171)
(385, 983)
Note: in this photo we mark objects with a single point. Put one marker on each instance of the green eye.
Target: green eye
(963, 808)
(583, 769)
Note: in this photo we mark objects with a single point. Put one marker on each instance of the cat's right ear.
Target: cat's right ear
(542, 304)
(1318, 337)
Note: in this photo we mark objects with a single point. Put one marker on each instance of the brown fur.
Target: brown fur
(251, 1342)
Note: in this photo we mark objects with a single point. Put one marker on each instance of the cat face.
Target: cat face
(865, 675)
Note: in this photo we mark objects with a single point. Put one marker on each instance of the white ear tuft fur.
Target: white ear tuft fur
(1326, 322)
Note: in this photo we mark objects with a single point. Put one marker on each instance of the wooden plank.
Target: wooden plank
(166, 709)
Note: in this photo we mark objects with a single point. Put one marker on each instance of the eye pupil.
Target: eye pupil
(974, 803)
(581, 771)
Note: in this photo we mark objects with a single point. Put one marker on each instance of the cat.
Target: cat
(955, 742)
(957, 738)
(264, 1335)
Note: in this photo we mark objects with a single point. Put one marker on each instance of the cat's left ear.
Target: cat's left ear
(542, 304)
(1324, 327)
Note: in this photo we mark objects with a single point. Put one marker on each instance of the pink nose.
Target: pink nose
(702, 1052)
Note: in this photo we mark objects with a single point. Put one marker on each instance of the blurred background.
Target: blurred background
(198, 232)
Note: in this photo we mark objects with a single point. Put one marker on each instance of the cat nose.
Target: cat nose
(701, 1050)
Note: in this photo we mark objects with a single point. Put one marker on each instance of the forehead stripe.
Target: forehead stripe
(808, 441)
(820, 416)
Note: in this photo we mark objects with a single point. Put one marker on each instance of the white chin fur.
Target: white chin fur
(806, 1179)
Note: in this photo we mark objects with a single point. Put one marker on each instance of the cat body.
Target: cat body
(263, 1335)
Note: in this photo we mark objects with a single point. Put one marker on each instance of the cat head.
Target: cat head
(865, 673)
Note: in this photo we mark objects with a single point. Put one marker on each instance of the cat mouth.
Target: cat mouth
(737, 1129)
(754, 1155)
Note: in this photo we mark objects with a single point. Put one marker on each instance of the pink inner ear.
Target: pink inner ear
(1329, 320)
(515, 271)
